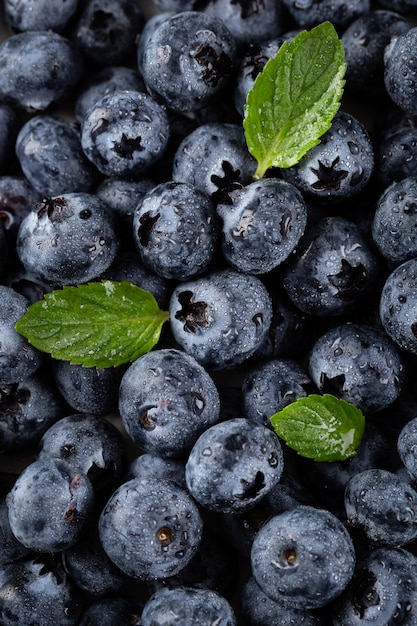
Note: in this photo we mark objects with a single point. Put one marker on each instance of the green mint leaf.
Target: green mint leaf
(323, 428)
(99, 324)
(295, 97)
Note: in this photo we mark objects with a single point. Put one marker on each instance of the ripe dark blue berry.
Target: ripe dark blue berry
(150, 528)
(220, 318)
(303, 557)
(124, 132)
(188, 60)
(233, 465)
(262, 224)
(176, 231)
(49, 505)
(68, 239)
(166, 400)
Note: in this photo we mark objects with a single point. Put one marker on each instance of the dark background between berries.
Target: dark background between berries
(222, 563)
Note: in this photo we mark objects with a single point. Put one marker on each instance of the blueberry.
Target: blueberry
(18, 359)
(11, 549)
(124, 133)
(382, 590)
(221, 318)
(262, 225)
(271, 385)
(27, 409)
(249, 22)
(88, 389)
(9, 128)
(394, 223)
(340, 166)
(166, 400)
(358, 363)
(105, 31)
(68, 239)
(176, 231)
(308, 13)
(400, 69)
(233, 465)
(105, 81)
(89, 444)
(364, 42)
(148, 464)
(88, 565)
(252, 62)
(150, 528)
(188, 60)
(49, 152)
(189, 607)
(38, 69)
(17, 197)
(150, 26)
(215, 159)
(49, 505)
(396, 155)
(125, 611)
(303, 557)
(260, 610)
(42, 595)
(398, 305)
(407, 446)
(23, 15)
(382, 506)
(333, 269)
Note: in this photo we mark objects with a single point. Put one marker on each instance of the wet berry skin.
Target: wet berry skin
(88, 389)
(176, 231)
(49, 152)
(87, 443)
(123, 133)
(200, 62)
(394, 223)
(214, 158)
(233, 465)
(333, 269)
(262, 225)
(382, 590)
(220, 318)
(189, 607)
(166, 400)
(260, 610)
(18, 359)
(382, 506)
(398, 305)
(68, 239)
(150, 528)
(105, 31)
(27, 409)
(39, 69)
(407, 446)
(49, 505)
(359, 363)
(340, 166)
(39, 14)
(42, 594)
(400, 70)
(304, 557)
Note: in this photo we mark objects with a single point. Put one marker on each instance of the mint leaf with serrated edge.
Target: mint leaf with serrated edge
(99, 324)
(294, 99)
(323, 428)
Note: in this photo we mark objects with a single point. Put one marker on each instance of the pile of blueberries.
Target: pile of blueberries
(156, 493)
